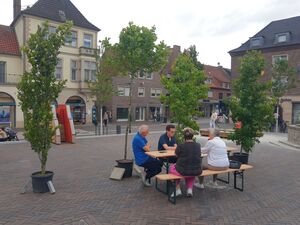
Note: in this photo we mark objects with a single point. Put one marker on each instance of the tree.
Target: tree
(39, 87)
(185, 89)
(102, 87)
(251, 103)
(193, 54)
(283, 79)
(137, 52)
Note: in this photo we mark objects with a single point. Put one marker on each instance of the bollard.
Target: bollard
(118, 128)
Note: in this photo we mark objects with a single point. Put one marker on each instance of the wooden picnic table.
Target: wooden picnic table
(171, 153)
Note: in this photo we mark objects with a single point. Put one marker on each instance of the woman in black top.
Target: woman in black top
(188, 162)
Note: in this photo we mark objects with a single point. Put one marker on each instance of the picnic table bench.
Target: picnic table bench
(171, 179)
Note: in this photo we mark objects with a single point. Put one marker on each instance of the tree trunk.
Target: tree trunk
(277, 116)
(43, 168)
(101, 120)
(126, 142)
(128, 127)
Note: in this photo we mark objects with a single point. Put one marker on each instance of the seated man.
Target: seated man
(217, 158)
(3, 134)
(167, 141)
(140, 145)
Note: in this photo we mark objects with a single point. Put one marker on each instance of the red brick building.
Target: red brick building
(218, 79)
(280, 40)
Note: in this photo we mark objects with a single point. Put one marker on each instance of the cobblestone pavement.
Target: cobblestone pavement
(85, 195)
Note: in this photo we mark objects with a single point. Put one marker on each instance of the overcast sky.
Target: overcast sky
(214, 26)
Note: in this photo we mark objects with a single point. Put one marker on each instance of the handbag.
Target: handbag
(234, 164)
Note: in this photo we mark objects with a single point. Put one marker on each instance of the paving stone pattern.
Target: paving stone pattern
(85, 195)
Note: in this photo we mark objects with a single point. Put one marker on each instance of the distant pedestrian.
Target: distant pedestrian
(105, 119)
(213, 118)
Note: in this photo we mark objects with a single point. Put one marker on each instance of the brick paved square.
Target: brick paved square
(85, 195)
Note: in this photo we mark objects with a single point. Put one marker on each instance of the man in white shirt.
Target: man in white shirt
(217, 158)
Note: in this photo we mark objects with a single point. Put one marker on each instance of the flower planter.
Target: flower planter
(127, 165)
(39, 182)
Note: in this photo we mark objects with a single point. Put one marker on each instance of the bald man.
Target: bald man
(151, 165)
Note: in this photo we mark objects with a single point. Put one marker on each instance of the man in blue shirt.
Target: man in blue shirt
(140, 145)
(167, 141)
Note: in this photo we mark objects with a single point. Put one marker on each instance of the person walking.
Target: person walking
(188, 162)
(213, 118)
(105, 119)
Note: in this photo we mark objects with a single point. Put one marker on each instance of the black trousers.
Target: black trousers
(152, 167)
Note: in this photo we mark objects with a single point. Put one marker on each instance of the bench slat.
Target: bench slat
(165, 177)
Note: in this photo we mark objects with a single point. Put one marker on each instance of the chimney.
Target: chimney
(17, 7)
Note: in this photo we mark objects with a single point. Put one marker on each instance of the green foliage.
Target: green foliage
(251, 103)
(193, 54)
(185, 88)
(283, 78)
(102, 87)
(39, 87)
(136, 52)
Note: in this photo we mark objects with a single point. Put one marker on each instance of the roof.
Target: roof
(53, 10)
(289, 25)
(8, 41)
(217, 72)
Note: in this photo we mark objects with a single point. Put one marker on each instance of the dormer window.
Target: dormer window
(62, 15)
(256, 41)
(282, 37)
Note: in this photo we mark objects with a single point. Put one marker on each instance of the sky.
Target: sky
(214, 26)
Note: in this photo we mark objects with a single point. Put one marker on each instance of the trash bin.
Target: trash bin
(118, 128)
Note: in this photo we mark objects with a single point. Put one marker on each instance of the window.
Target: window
(140, 113)
(71, 40)
(149, 76)
(89, 71)
(208, 81)
(87, 41)
(155, 92)
(141, 92)
(256, 41)
(123, 91)
(225, 85)
(52, 30)
(122, 114)
(58, 69)
(2, 72)
(141, 75)
(73, 70)
(220, 95)
(276, 58)
(210, 94)
(282, 37)
(228, 94)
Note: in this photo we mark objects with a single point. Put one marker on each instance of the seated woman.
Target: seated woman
(188, 162)
(217, 158)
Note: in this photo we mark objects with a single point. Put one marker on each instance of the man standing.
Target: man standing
(167, 141)
(151, 165)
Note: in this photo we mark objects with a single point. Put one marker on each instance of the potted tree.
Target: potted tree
(136, 52)
(251, 104)
(37, 89)
(185, 87)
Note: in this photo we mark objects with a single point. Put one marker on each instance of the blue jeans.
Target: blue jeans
(152, 167)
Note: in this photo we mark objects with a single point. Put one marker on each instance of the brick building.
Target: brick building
(280, 40)
(218, 79)
(147, 88)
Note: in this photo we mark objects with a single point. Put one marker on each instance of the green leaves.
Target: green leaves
(251, 103)
(39, 87)
(186, 87)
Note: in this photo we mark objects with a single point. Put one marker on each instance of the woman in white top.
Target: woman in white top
(217, 158)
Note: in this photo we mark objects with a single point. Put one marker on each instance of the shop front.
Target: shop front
(78, 109)
(7, 110)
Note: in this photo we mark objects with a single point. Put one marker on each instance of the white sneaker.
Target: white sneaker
(198, 185)
(189, 192)
(145, 182)
(178, 193)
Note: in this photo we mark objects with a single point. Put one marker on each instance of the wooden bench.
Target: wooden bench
(171, 179)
